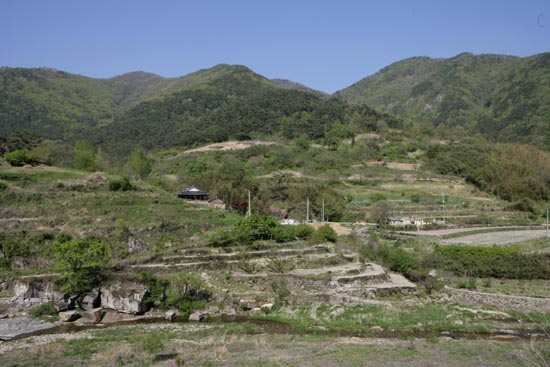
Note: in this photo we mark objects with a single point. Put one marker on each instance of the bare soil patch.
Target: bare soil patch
(228, 145)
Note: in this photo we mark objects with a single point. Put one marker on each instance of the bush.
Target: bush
(18, 158)
(399, 260)
(186, 292)
(120, 185)
(324, 234)
(257, 227)
(494, 262)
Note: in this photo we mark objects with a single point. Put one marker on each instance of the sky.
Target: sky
(326, 45)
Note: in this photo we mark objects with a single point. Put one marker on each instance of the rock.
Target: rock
(170, 315)
(248, 303)
(136, 245)
(229, 312)
(69, 316)
(61, 306)
(90, 301)
(459, 322)
(2, 254)
(376, 329)
(13, 327)
(196, 316)
(266, 307)
(95, 315)
(256, 310)
(35, 300)
(213, 309)
(125, 297)
(22, 290)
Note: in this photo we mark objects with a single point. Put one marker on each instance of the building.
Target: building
(193, 193)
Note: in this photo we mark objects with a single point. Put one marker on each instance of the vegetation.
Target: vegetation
(501, 97)
(81, 263)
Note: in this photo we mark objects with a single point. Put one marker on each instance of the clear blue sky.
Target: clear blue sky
(326, 45)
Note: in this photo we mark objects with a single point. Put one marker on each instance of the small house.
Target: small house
(193, 193)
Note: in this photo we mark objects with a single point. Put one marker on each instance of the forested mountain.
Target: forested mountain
(52, 104)
(232, 102)
(59, 105)
(288, 84)
(503, 97)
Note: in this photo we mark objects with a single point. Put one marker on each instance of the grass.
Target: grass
(236, 344)
(360, 319)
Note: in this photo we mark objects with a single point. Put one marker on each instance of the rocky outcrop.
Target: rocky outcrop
(136, 245)
(127, 297)
(17, 327)
(90, 300)
(37, 288)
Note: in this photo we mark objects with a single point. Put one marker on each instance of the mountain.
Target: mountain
(505, 98)
(59, 105)
(51, 103)
(288, 84)
(228, 102)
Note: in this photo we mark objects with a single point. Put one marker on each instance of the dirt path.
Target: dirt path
(496, 238)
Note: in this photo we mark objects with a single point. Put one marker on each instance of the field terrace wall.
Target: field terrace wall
(499, 301)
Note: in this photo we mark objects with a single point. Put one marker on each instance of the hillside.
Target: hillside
(503, 97)
(59, 105)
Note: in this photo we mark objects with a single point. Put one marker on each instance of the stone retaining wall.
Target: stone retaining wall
(499, 301)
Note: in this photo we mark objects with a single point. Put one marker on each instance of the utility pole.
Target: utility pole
(249, 211)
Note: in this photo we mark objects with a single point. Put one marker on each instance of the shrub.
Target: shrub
(257, 227)
(323, 234)
(18, 158)
(398, 259)
(186, 292)
(496, 262)
(120, 185)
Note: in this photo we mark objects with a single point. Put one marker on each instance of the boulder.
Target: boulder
(229, 312)
(61, 306)
(196, 316)
(170, 315)
(94, 315)
(266, 307)
(213, 309)
(69, 316)
(22, 290)
(126, 297)
(136, 245)
(256, 310)
(90, 301)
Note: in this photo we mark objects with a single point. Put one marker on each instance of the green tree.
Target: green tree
(84, 156)
(82, 263)
(139, 164)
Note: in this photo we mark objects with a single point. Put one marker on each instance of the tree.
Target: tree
(139, 164)
(381, 212)
(81, 263)
(84, 156)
